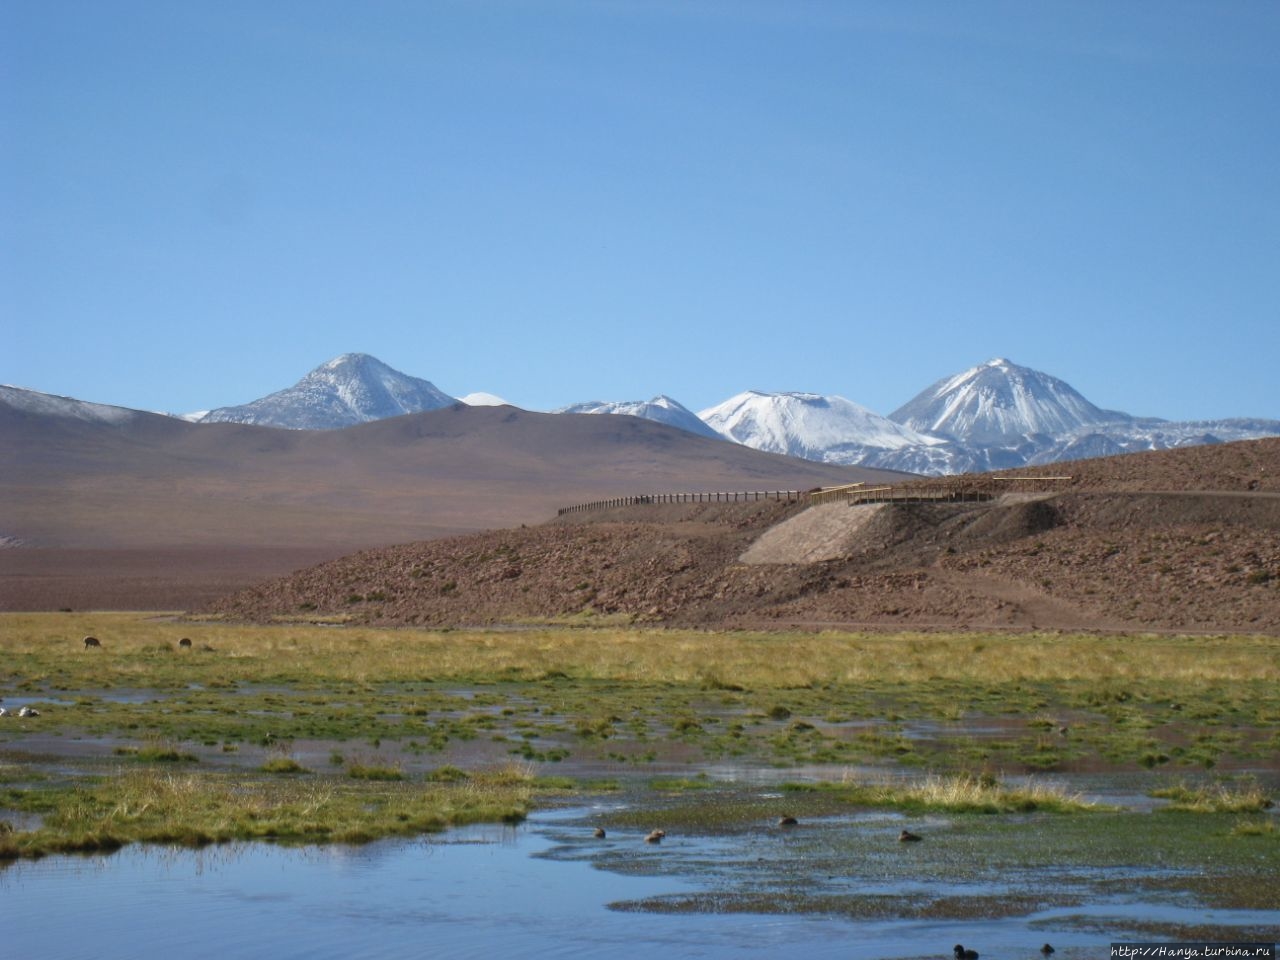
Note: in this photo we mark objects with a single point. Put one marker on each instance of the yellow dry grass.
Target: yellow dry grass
(134, 646)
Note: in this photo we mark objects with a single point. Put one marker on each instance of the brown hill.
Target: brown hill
(1176, 540)
(147, 511)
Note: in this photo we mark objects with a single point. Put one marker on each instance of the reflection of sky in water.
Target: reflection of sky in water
(477, 893)
(480, 892)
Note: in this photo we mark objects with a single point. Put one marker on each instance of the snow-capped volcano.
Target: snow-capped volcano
(661, 408)
(812, 426)
(999, 400)
(350, 389)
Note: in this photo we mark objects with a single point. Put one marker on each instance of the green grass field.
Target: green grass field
(320, 733)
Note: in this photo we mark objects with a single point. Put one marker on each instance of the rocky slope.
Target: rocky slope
(1174, 540)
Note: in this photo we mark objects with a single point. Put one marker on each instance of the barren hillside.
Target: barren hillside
(1177, 540)
(147, 512)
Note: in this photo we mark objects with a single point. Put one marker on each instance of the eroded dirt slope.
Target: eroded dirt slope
(1139, 553)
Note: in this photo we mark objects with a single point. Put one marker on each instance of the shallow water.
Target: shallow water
(476, 892)
(548, 889)
(535, 890)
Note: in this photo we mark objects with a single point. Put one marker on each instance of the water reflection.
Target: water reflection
(478, 892)
(534, 890)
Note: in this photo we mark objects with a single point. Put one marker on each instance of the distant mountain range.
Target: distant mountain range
(85, 475)
(996, 415)
(811, 426)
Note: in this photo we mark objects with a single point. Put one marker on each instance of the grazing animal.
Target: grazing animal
(906, 836)
(600, 833)
(1046, 949)
(28, 712)
(91, 642)
(655, 836)
(184, 642)
(963, 954)
(787, 821)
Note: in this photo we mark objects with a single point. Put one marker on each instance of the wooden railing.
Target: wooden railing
(837, 494)
(730, 496)
(917, 494)
(944, 490)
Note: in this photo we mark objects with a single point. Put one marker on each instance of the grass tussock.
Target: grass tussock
(1255, 828)
(283, 765)
(964, 793)
(1246, 797)
(193, 809)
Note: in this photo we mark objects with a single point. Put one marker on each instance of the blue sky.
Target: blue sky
(560, 201)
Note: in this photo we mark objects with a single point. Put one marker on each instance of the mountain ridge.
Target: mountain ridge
(150, 479)
(995, 415)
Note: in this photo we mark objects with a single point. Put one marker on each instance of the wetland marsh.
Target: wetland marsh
(1075, 788)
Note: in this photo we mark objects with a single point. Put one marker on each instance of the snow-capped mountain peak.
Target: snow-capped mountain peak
(998, 400)
(350, 389)
(810, 425)
(661, 408)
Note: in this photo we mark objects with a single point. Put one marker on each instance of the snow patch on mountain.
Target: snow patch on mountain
(811, 426)
(32, 401)
(484, 400)
(350, 389)
(661, 408)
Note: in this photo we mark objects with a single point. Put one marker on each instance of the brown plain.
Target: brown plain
(157, 513)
